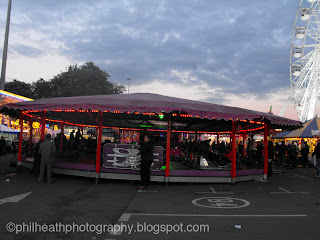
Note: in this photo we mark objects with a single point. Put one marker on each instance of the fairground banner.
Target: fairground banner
(127, 156)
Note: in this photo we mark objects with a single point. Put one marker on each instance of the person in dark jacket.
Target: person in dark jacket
(259, 151)
(292, 155)
(3, 145)
(282, 150)
(146, 151)
(304, 153)
(37, 160)
(317, 153)
(270, 157)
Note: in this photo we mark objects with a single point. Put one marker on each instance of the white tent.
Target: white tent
(5, 129)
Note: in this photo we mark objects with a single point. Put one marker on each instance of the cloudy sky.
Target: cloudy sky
(228, 52)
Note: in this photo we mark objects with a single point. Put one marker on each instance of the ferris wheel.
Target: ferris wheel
(305, 61)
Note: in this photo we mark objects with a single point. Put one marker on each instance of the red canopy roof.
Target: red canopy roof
(147, 102)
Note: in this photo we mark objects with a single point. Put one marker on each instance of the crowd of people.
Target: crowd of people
(8, 146)
(74, 143)
(216, 154)
(280, 154)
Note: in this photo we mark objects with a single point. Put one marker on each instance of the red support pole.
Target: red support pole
(266, 134)
(20, 139)
(168, 149)
(43, 124)
(30, 136)
(99, 136)
(61, 135)
(234, 155)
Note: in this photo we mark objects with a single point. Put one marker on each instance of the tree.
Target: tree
(85, 80)
(41, 89)
(20, 88)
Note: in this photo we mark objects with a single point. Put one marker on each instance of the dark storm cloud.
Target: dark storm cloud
(228, 44)
(24, 50)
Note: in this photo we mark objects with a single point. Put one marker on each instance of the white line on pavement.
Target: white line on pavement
(141, 190)
(214, 192)
(124, 217)
(290, 192)
(303, 177)
(284, 190)
(128, 215)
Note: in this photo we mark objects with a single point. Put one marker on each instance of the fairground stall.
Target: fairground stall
(179, 128)
(9, 127)
(309, 133)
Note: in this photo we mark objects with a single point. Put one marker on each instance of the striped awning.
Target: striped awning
(310, 129)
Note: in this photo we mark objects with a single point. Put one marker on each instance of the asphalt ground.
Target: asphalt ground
(287, 206)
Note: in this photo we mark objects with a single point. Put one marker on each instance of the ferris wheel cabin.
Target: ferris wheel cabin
(305, 14)
(300, 32)
(297, 52)
(296, 70)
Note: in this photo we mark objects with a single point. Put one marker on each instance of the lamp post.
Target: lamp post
(129, 83)
(5, 49)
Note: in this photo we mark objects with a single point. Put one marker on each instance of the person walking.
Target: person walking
(292, 155)
(259, 153)
(317, 153)
(78, 138)
(47, 150)
(37, 160)
(3, 145)
(282, 151)
(146, 151)
(304, 153)
(270, 157)
(252, 151)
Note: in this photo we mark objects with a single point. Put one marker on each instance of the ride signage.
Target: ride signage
(127, 156)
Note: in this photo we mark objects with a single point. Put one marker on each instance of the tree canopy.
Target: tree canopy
(85, 80)
(20, 88)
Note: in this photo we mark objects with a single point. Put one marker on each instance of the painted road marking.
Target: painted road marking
(220, 202)
(128, 215)
(141, 190)
(212, 191)
(124, 217)
(286, 191)
(14, 199)
(303, 177)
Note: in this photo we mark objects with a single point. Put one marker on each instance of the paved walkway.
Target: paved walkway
(287, 206)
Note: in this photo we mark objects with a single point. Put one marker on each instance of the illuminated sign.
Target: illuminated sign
(36, 125)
